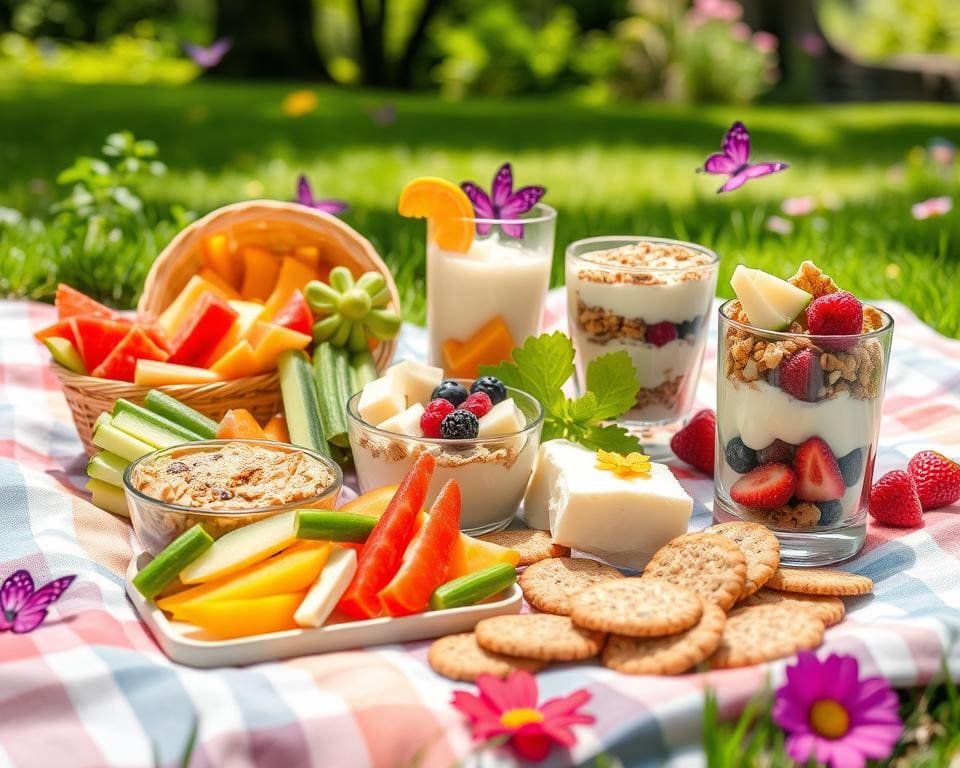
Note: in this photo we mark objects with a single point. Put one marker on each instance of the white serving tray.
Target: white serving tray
(186, 644)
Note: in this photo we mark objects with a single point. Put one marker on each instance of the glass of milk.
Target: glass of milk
(483, 303)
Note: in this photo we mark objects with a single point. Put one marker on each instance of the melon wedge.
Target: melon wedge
(490, 345)
(270, 340)
(237, 363)
(153, 373)
(240, 618)
(471, 555)
(248, 313)
(260, 270)
(217, 255)
(294, 275)
(768, 301)
(214, 279)
(183, 305)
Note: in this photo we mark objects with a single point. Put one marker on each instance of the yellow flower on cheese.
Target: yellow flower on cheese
(625, 466)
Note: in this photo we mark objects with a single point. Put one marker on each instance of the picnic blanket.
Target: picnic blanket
(91, 688)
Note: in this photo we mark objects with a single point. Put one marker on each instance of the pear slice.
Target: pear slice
(768, 301)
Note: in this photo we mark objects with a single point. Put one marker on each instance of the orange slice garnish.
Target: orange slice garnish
(445, 205)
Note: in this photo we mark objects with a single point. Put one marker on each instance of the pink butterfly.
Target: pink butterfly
(305, 197)
(210, 55)
(733, 161)
(503, 202)
(21, 608)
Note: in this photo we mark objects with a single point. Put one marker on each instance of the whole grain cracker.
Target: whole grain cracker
(533, 545)
(636, 607)
(820, 581)
(670, 655)
(540, 636)
(711, 565)
(759, 633)
(760, 548)
(549, 584)
(828, 608)
(460, 657)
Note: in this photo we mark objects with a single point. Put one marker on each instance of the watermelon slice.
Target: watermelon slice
(62, 329)
(96, 337)
(202, 330)
(121, 363)
(71, 303)
(295, 314)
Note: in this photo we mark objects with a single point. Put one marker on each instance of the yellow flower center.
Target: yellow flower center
(829, 718)
(517, 718)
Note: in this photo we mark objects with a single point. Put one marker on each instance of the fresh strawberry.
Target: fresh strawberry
(479, 404)
(801, 375)
(818, 474)
(937, 479)
(433, 415)
(835, 314)
(894, 501)
(766, 487)
(661, 333)
(696, 443)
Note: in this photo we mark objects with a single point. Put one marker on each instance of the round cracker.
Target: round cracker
(760, 548)
(533, 545)
(760, 633)
(671, 655)
(541, 636)
(549, 584)
(460, 657)
(828, 608)
(711, 565)
(636, 607)
(820, 581)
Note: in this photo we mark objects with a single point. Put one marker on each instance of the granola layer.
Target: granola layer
(666, 393)
(636, 257)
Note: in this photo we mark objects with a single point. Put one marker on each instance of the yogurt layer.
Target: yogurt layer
(654, 365)
(673, 301)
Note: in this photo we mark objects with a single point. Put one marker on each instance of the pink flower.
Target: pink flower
(765, 42)
(928, 209)
(942, 152)
(799, 206)
(721, 10)
(812, 44)
(509, 708)
(780, 225)
(833, 717)
(740, 32)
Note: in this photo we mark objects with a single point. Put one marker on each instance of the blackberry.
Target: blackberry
(851, 467)
(830, 512)
(452, 391)
(777, 451)
(739, 457)
(492, 386)
(460, 425)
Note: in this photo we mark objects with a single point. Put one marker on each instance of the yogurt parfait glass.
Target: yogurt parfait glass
(811, 404)
(651, 297)
(483, 303)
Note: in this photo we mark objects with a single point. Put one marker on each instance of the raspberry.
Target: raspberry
(661, 333)
(801, 376)
(696, 443)
(479, 404)
(894, 501)
(937, 479)
(433, 416)
(835, 314)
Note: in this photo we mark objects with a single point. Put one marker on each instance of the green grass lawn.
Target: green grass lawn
(620, 169)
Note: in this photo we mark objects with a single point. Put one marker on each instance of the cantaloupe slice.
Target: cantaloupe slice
(309, 255)
(292, 570)
(153, 373)
(471, 555)
(239, 424)
(260, 270)
(248, 313)
(242, 547)
(237, 363)
(276, 429)
(217, 254)
(488, 346)
(226, 619)
(372, 503)
(269, 340)
(214, 279)
(294, 275)
(173, 316)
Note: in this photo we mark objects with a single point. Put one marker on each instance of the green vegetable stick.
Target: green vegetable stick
(173, 558)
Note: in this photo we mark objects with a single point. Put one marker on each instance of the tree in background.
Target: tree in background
(378, 68)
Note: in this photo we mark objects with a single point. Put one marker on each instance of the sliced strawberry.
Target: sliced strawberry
(894, 501)
(801, 376)
(696, 443)
(818, 474)
(766, 487)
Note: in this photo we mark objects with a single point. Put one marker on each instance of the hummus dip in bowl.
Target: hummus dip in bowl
(224, 484)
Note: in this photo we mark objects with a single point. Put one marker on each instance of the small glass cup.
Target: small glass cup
(830, 406)
(652, 298)
(491, 298)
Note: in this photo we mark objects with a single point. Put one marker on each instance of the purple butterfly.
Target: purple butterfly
(21, 608)
(305, 197)
(503, 202)
(733, 161)
(210, 55)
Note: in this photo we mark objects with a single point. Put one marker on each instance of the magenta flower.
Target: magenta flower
(305, 197)
(812, 44)
(928, 209)
(509, 708)
(765, 42)
(834, 717)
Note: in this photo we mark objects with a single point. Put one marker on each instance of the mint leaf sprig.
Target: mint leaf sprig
(542, 366)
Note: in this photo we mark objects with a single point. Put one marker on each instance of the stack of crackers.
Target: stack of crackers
(717, 597)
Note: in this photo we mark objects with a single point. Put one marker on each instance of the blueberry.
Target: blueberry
(492, 386)
(830, 512)
(460, 425)
(777, 451)
(452, 391)
(740, 458)
(851, 466)
(690, 327)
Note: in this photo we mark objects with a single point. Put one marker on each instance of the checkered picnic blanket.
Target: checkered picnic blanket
(91, 688)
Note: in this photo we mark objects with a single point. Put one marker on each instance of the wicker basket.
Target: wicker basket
(269, 224)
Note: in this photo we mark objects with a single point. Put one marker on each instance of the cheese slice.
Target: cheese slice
(552, 457)
(405, 423)
(505, 418)
(380, 400)
(327, 590)
(416, 380)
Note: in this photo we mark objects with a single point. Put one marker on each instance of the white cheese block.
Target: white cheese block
(552, 457)
(405, 423)
(327, 590)
(504, 418)
(416, 380)
(380, 400)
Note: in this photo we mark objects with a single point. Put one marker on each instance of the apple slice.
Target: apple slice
(769, 302)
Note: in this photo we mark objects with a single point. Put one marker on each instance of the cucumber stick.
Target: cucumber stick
(143, 430)
(363, 370)
(474, 587)
(331, 369)
(108, 497)
(329, 525)
(154, 420)
(300, 402)
(109, 438)
(174, 557)
(108, 468)
(173, 410)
